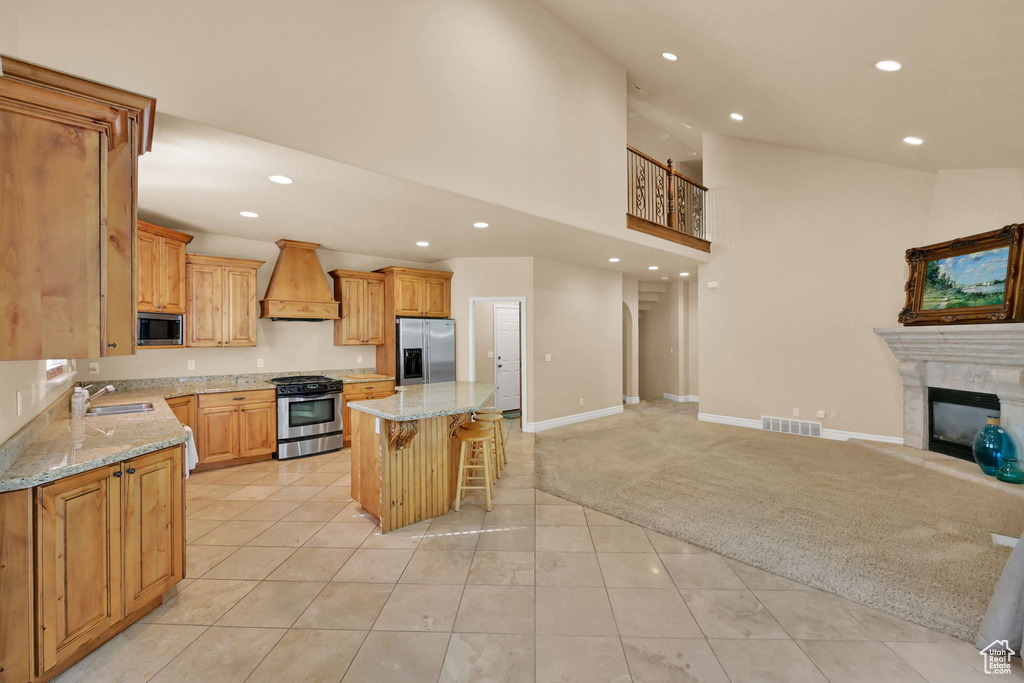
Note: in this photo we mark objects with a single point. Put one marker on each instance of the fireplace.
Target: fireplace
(955, 417)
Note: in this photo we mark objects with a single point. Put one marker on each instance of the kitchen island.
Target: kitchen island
(404, 459)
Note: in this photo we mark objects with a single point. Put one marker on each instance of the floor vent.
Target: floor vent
(785, 426)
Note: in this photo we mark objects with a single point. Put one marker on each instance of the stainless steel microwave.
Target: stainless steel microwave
(161, 329)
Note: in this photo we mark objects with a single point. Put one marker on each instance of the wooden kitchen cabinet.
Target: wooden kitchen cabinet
(236, 427)
(160, 269)
(109, 543)
(69, 164)
(361, 296)
(410, 292)
(221, 301)
(184, 408)
(361, 391)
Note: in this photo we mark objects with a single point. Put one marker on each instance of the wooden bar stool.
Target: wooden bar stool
(475, 455)
(499, 435)
(481, 422)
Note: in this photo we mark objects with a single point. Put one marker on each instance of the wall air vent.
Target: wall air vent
(787, 426)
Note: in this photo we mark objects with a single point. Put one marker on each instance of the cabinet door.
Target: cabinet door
(79, 561)
(239, 307)
(373, 329)
(408, 295)
(182, 408)
(172, 276)
(147, 272)
(117, 249)
(154, 529)
(49, 234)
(205, 301)
(436, 294)
(350, 330)
(258, 428)
(218, 434)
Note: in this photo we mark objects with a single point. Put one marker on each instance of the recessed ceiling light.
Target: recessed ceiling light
(669, 56)
(664, 136)
(613, 260)
(693, 154)
(911, 140)
(249, 214)
(652, 267)
(280, 179)
(736, 117)
(630, 114)
(664, 277)
(480, 224)
(684, 274)
(888, 65)
(423, 244)
(687, 124)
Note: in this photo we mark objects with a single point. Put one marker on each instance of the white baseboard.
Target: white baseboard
(689, 398)
(630, 399)
(571, 419)
(833, 434)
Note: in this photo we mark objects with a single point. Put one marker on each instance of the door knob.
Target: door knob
(499, 365)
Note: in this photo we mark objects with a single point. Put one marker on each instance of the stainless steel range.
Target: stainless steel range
(308, 415)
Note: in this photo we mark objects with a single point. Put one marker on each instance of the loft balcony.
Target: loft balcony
(665, 203)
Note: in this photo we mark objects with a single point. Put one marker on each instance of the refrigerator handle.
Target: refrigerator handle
(426, 353)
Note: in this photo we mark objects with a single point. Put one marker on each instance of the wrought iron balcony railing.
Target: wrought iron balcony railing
(664, 202)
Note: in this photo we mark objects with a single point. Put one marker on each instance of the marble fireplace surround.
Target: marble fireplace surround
(982, 358)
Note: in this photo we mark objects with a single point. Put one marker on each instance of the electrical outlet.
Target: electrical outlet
(671, 351)
(713, 285)
(547, 356)
(191, 365)
(19, 403)
(821, 414)
(359, 360)
(581, 401)
(94, 368)
(259, 362)
(833, 415)
(490, 354)
(796, 412)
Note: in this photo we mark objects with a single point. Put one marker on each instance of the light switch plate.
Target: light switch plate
(191, 365)
(547, 356)
(490, 354)
(259, 362)
(359, 360)
(94, 368)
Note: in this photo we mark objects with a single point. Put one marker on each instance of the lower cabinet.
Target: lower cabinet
(109, 542)
(184, 408)
(361, 391)
(236, 427)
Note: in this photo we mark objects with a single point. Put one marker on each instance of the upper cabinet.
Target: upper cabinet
(160, 269)
(67, 224)
(221, 301)
(361, 296)
(419, 293)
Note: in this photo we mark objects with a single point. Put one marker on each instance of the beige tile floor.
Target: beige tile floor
(288, 581)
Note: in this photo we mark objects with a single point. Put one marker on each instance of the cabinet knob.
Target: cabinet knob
(112, 345)
(117, 474)
(131, 470)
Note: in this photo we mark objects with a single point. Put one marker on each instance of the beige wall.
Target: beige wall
(659, 337)
(283, 345)
(692, 339)
(28, 377)
(630, 338)
(969, 201)
(808, 256)
(494, 99)
(577, 318)
(483, 340)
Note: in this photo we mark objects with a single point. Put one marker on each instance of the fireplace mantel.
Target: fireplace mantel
(982, 358)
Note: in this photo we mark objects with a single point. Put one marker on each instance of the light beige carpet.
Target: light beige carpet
(836, 516)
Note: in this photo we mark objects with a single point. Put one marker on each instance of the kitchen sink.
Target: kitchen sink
(119, 410)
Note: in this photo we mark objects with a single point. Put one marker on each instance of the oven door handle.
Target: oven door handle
(309, 397)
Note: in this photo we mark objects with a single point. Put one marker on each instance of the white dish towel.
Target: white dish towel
(191, 454)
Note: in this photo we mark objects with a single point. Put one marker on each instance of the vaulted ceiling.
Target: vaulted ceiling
(802, 73)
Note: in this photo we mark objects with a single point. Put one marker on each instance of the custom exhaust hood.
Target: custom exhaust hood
(298, 288)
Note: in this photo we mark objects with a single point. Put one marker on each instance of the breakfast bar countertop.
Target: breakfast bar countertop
(421, 401)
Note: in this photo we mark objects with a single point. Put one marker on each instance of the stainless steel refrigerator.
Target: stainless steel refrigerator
(426, 350)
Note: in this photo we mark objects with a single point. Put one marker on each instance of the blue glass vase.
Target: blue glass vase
(991, 446)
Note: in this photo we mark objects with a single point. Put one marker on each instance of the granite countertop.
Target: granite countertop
(72, 445)
(69, 446)
(428, 400)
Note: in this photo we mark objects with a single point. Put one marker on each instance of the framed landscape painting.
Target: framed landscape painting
(973, 279)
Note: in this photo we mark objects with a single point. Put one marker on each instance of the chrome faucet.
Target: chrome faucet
(105, 390)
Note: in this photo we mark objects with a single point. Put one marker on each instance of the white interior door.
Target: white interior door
(507, 356)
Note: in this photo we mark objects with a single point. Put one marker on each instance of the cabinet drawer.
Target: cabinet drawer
(363, 389)
(235, 398)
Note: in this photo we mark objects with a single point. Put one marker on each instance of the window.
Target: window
(55, 367)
